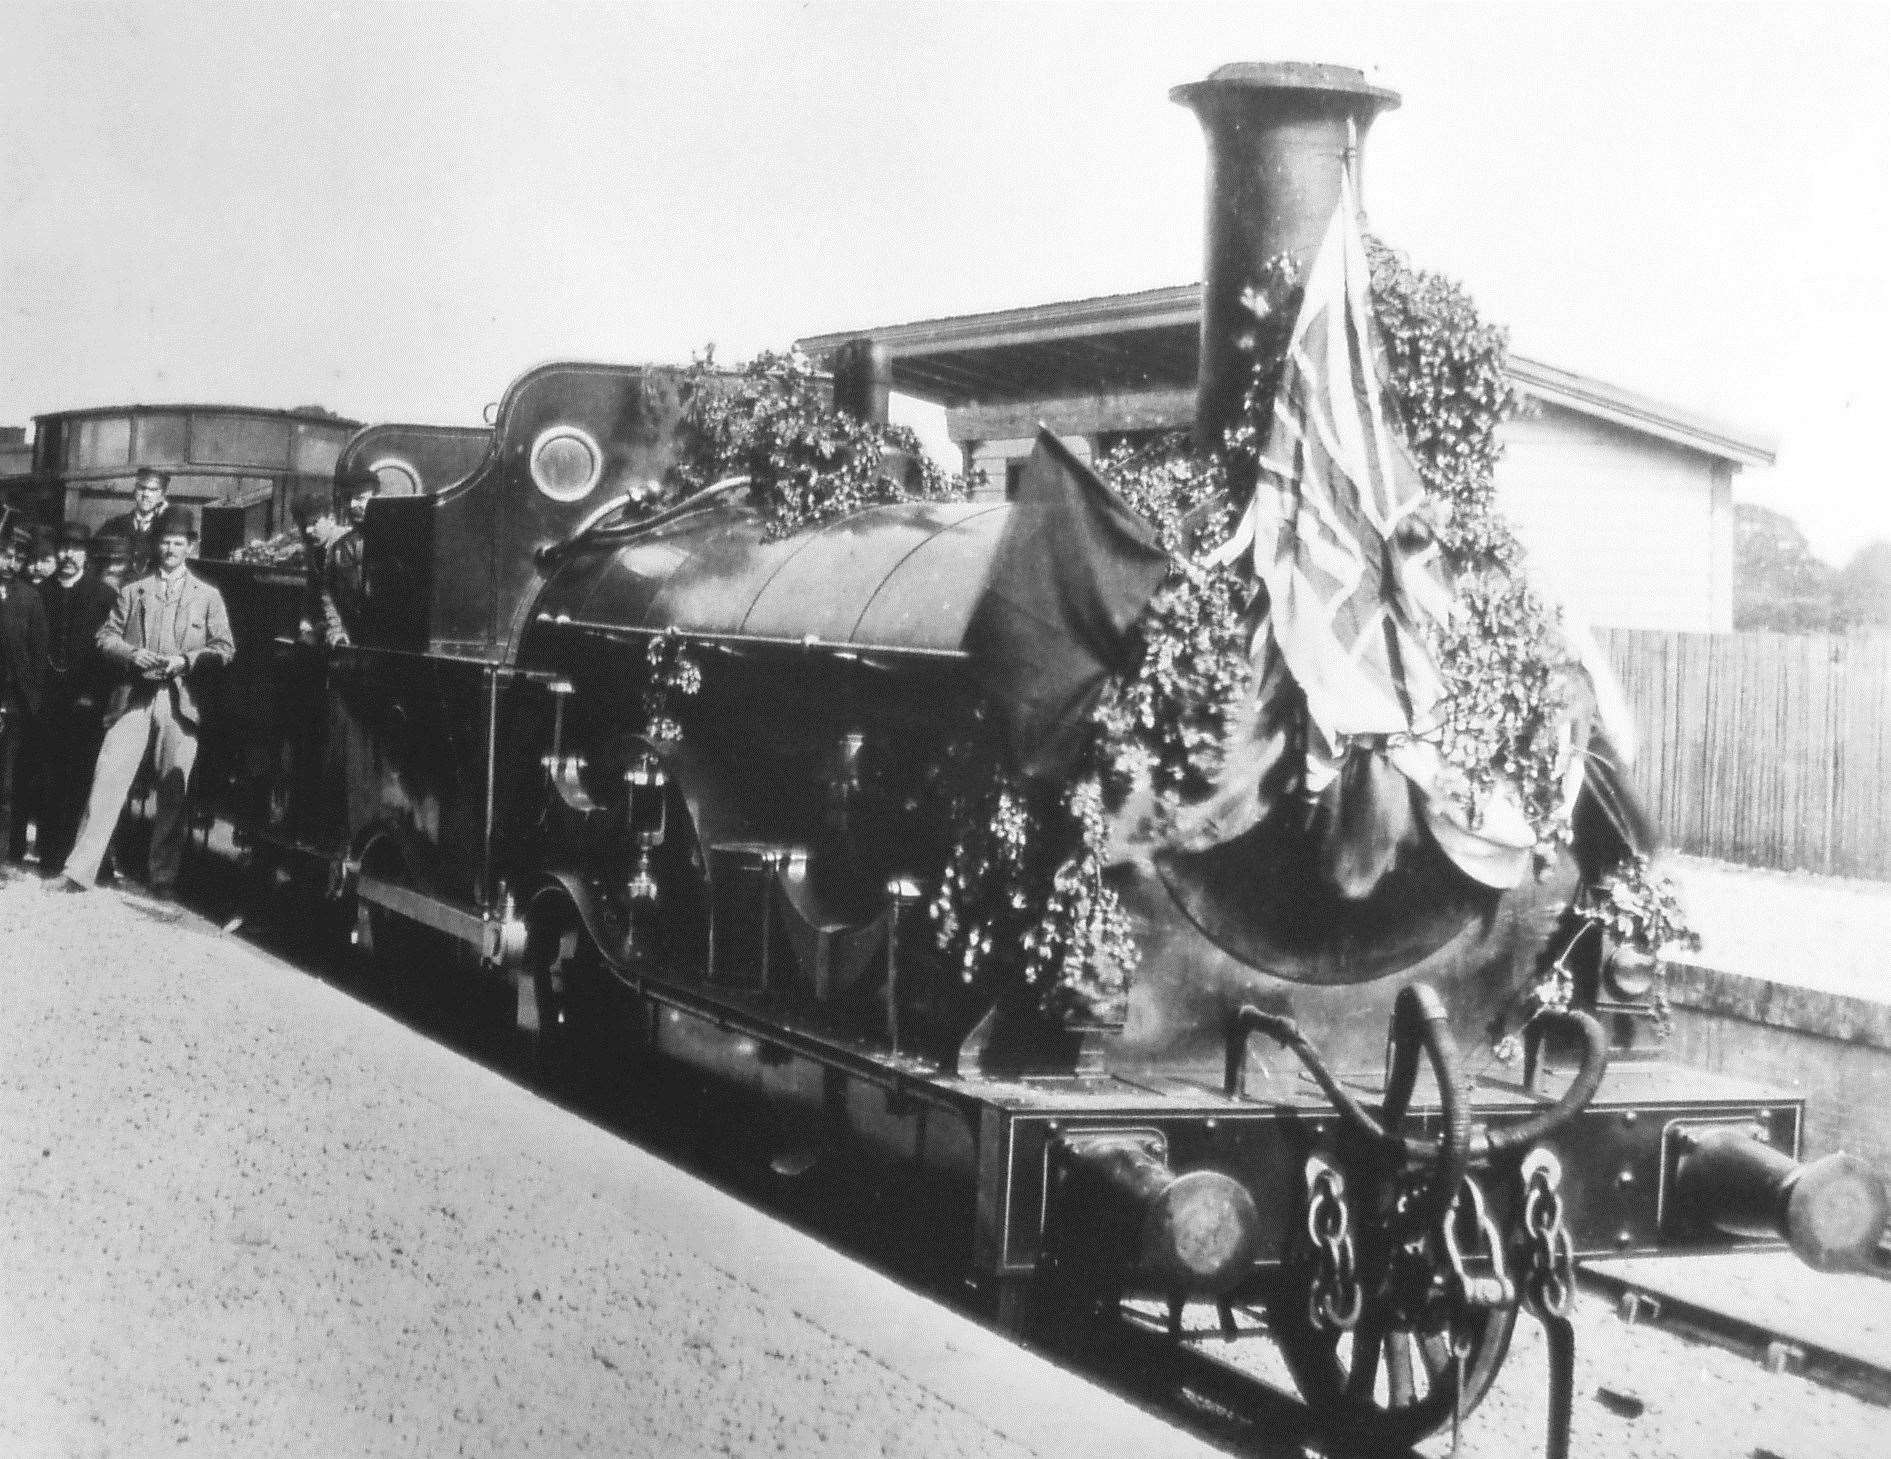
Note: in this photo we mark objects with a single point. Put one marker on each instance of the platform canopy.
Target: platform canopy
(1135, 355)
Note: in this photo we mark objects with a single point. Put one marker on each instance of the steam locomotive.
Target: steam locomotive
(1282, 1118)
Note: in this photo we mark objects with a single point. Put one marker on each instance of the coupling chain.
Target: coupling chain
(1468, 1290)
(1549, 1253)
(1334, 1296)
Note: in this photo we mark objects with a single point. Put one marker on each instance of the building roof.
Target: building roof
(1148, 340)
(312, 414)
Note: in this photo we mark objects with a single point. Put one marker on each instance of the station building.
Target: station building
(1625, 503)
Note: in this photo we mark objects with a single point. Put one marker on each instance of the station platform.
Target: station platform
(242, 1212)
(1792, 984)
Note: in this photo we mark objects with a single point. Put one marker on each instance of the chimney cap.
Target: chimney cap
(1288, 76)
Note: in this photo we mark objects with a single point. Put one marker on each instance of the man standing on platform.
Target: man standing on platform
(162, 629)
(77, 604)
(42, 557)
(139, 525)
(22, 672)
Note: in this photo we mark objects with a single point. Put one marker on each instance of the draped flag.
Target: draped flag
(1351, 591)
(1072, 572)
(1356, 588)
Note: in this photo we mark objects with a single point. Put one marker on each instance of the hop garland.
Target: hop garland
(1024, 886)
(1639, 908)
(807, 463)
(1504, 667)
(670, 674)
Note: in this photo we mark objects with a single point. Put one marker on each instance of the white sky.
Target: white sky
(393, 210)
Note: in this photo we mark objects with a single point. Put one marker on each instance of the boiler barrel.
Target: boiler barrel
(895, 579)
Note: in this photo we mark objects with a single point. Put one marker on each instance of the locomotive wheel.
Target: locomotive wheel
(1382, 1385)
(569, 1009)
(400, 954)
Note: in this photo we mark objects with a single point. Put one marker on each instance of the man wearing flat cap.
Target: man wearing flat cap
(162, 630)
(22, 672)
(77, 604)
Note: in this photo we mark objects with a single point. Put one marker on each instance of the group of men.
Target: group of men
(97, 659)
(102, 640)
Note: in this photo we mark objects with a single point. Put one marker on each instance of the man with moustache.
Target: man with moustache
(163, 628)
(77, 604)
(22, 672)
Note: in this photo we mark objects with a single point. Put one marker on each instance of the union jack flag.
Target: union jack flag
(1352, 589)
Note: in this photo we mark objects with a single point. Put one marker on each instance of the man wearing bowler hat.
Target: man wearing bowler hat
(77, 605)
(22, 673)
(162, 630)
(42, 557)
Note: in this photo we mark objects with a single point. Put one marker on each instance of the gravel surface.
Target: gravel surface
(1646, 1394)
(246, 1214)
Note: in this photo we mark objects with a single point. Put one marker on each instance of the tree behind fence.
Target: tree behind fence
(1765, 748)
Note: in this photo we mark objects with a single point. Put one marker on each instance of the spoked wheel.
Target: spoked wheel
(1386, 1385)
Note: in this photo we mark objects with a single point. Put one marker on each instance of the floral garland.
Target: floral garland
(1162, 728)
(807, 464)
(1026, 870)
(1639, 908)
(671, 673)
(1504, 666)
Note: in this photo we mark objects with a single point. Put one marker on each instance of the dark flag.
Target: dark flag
(1072, 573)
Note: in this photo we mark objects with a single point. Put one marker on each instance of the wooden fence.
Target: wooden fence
(1764, 748)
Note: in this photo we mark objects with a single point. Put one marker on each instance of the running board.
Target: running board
(498, 937)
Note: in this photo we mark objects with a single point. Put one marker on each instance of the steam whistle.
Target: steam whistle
(1831, 1212)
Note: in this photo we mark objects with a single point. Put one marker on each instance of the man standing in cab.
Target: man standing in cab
(161, 632)
(22, 673)
(77, 604)
(344, 587)
(139, 526)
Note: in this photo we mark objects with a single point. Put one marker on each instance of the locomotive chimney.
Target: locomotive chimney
(1279, 135)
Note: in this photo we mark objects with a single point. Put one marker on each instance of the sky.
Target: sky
(392, 210)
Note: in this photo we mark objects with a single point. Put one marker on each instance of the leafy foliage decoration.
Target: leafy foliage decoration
(808, 464)
(1639, 909)
(1505, 669)
(670, 673)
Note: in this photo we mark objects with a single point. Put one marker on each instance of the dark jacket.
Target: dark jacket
(141, 546)
(343, 588)
(22, 645)
(75, 668)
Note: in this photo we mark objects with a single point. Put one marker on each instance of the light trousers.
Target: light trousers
(149, 727)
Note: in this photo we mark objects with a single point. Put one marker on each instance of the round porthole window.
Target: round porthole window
(566, 463)
(397, 478)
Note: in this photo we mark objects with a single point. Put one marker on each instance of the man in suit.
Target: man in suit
(315, 518)
(77, 604)
(22, 673)
(42, 557)
(162, 630)
(139, 525)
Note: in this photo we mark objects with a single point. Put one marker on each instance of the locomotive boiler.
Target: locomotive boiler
(685, 781)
